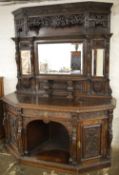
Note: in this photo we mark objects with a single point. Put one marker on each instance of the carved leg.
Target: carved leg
(110, 114)
(19, 133)
(72, 158)
(25, 141)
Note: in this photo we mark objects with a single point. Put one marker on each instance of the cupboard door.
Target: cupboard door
(13, 129)
(92, 139)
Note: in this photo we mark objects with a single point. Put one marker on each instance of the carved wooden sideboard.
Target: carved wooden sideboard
(60, 116)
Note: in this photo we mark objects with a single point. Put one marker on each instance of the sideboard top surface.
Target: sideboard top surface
(64, 8)
(64, 105)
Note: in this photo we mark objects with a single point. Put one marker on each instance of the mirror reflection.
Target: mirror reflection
(25, 62)
(98, 62)
(60, 58)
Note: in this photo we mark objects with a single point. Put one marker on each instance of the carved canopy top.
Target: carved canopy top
(88, 16)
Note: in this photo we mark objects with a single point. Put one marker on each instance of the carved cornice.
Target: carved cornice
(34, 23)
(88, 17)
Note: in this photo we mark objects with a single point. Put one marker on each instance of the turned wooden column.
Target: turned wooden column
(25, 150)
(17, 57)
(19, 132)
(32, 56)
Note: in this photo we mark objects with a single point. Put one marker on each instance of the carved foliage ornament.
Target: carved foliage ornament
(98, 20)
(61, 21)
(55, 21)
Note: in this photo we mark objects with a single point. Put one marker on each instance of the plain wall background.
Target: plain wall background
(7, 52)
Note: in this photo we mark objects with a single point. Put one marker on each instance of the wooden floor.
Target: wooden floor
(10, 166)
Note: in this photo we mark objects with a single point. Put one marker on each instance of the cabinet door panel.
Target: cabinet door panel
(93, 139)
(11, 130)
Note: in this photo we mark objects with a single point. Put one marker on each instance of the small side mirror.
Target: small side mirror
(98, 62)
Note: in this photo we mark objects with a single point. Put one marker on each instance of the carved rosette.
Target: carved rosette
(98, 20)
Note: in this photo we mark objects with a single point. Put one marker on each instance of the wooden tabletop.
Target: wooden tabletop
(36, 102)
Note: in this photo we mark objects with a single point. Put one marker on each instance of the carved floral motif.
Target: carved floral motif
(55, 21)
(98, 20)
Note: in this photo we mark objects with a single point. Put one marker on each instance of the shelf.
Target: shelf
(50, 151)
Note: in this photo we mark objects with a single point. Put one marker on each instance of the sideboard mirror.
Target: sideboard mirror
(60, 58)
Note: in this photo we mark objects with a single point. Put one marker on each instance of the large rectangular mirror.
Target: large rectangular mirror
(60, 58)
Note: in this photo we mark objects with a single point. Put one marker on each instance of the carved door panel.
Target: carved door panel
(92, 139)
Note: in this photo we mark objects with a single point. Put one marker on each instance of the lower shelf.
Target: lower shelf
(57, 156)
(51, 151)
(38, 160)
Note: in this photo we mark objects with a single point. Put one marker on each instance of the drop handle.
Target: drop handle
(79, 144)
